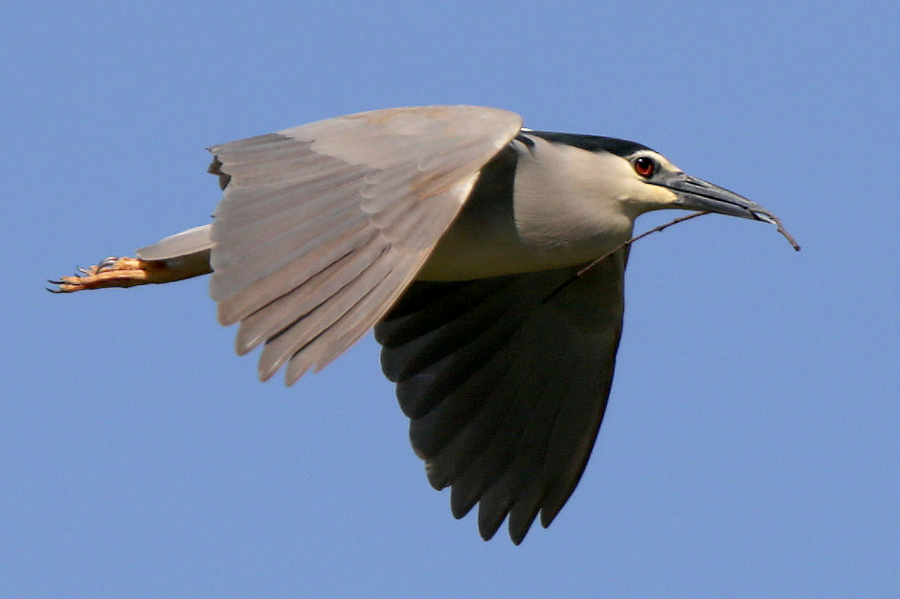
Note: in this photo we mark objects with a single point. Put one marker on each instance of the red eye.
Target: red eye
(644, 166)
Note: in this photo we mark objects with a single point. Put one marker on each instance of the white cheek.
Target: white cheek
(662, 195)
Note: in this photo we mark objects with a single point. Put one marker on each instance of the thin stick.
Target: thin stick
(787, 235)
(594, 263)
(680, 219)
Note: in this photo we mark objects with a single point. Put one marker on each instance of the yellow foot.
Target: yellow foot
(115, 272)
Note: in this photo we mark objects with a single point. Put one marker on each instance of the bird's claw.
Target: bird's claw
(109, 263)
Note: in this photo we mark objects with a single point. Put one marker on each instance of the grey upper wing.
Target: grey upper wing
(323, 226)
(504, 387)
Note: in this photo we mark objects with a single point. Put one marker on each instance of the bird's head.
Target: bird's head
(653, 182)
(641, 179)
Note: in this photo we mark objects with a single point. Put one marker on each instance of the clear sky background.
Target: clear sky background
(752, 443)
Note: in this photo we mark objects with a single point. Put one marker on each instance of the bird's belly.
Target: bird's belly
(477, 248)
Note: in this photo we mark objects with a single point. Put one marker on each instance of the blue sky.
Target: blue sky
(751, 446)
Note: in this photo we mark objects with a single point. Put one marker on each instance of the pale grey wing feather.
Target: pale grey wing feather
(184, 254)
(323, 226)
(505, 388)
(192, 241)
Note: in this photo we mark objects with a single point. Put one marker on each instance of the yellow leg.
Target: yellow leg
(118, 272)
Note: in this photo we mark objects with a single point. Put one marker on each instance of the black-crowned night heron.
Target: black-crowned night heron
(457, 234)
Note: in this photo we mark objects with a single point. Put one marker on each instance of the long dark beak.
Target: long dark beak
(697, 194)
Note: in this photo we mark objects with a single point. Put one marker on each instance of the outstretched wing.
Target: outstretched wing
(323, 226)
(505, 381)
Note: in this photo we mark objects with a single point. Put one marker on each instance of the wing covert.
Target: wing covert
(323, 226)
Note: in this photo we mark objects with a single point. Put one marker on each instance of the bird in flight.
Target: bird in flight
(471, 245)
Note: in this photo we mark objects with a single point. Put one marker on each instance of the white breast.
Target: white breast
(558, 215)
